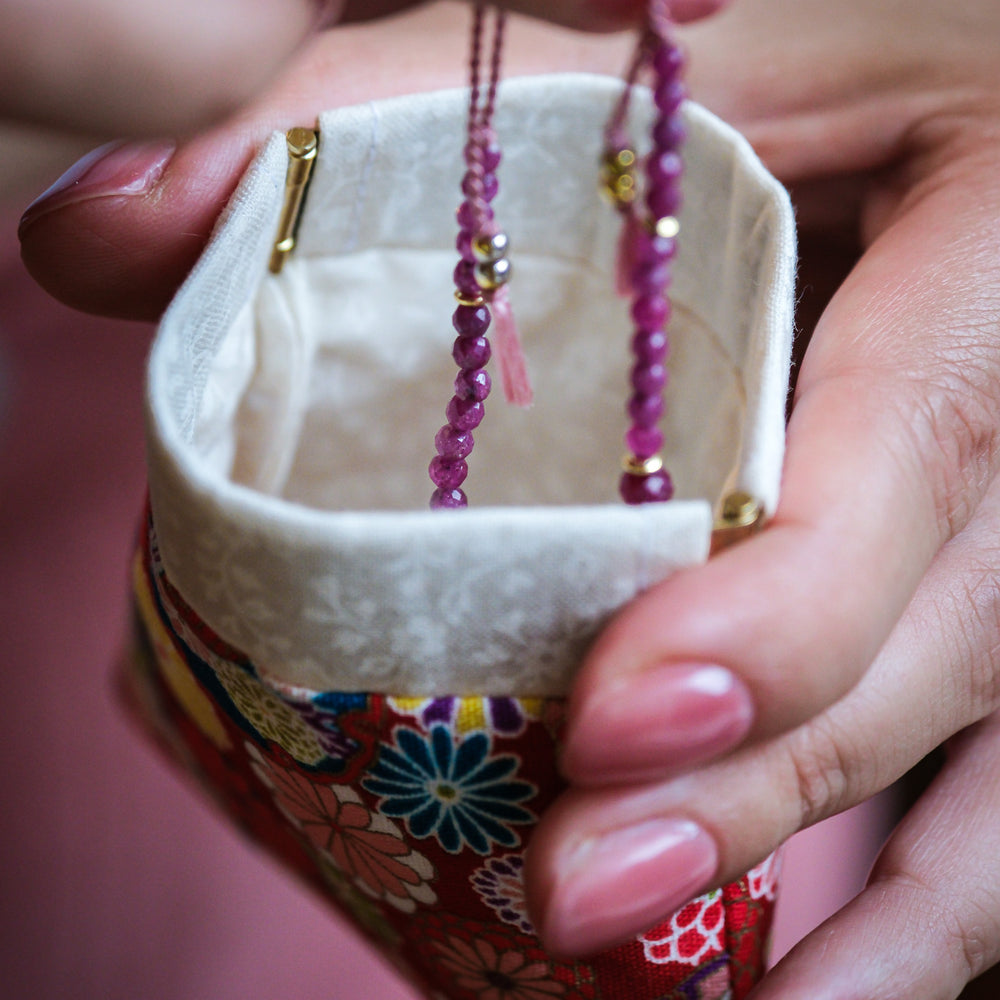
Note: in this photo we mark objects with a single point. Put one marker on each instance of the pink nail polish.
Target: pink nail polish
(618, 885)
(657, 722)
(116, 168)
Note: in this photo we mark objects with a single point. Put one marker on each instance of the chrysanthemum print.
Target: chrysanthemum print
(411, 815)
(450, 787)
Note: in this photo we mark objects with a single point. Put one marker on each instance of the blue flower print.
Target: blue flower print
(451, 788)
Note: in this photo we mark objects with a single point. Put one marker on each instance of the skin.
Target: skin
(860, 629)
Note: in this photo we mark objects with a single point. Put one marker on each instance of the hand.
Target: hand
(860, 630)
(120, 230)
(120, 67)
(856, 633)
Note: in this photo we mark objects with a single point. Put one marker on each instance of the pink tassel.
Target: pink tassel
(507, 341)
(628, 241)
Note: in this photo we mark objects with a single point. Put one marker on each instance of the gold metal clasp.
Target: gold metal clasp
(741, 516)
(303, 144)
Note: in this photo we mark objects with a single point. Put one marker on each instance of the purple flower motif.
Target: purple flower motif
(504, 716)
(500, 885)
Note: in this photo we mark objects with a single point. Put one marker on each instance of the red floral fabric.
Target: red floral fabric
(411, 815)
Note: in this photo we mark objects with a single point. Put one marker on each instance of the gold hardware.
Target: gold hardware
(303, 144)
(469, 300)
(617, 180)
(741, 516)
(642, 466)
(492, 275)
(489, 249)
(667, 227)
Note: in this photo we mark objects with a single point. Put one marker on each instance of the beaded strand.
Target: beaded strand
(482, 269)
(647, 251)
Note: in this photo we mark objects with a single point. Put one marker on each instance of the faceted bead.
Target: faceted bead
(466, 216)
(650, 346)
(668, 61)
(649, 277)
(471, 352)
(473, 384)
(668, 95)
(464, 414)
(451, 443)
(649, 379)
(465, 278)
(650, 312)
(644, 442)
(448, 473)
(663, 200)
(445, 499)
(492, 155)
(471, 321)
(669, 132)
(651, 248)
(463, 244)
(654, 488)
(489, 155)
(472, 184)
(666, 168)
(644, 410)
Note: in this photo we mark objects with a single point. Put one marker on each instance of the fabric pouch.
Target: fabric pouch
(376, 691)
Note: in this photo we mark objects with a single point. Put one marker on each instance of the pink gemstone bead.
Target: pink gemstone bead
(654, 488)
(668, 95)
(451, 443)
(448, 473)
(465, 278)
(471, 321)
(665, 168)
(650, 346)
(463, 244)
(669, 132)
(471, 353)
(668, 61)
(473, 384)
(644, 410)
(650, 277)
(663, 200)
(445, 499)
(464, 414)
(649, 379)
(649, 312)
(644, 442)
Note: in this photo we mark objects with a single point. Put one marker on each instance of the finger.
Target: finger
(890, 446)
(929, 920)
(118, 236)
(609, 15)
(935, 675)
(109, 67)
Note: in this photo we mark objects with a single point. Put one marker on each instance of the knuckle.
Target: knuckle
(955, 418)
(972, 935)
(822, 770)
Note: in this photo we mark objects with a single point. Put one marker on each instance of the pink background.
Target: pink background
(117, 882)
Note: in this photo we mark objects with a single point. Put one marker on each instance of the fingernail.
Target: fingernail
(117, 168)
(661, 720)
(618, 885)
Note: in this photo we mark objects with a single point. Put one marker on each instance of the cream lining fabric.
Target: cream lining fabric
(291, 418)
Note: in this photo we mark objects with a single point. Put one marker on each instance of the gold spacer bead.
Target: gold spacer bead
(667, 227)
(642, 466)
(469, 300)
(492, 274)
(488, 249)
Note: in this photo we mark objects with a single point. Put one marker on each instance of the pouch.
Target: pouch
(376, 691)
